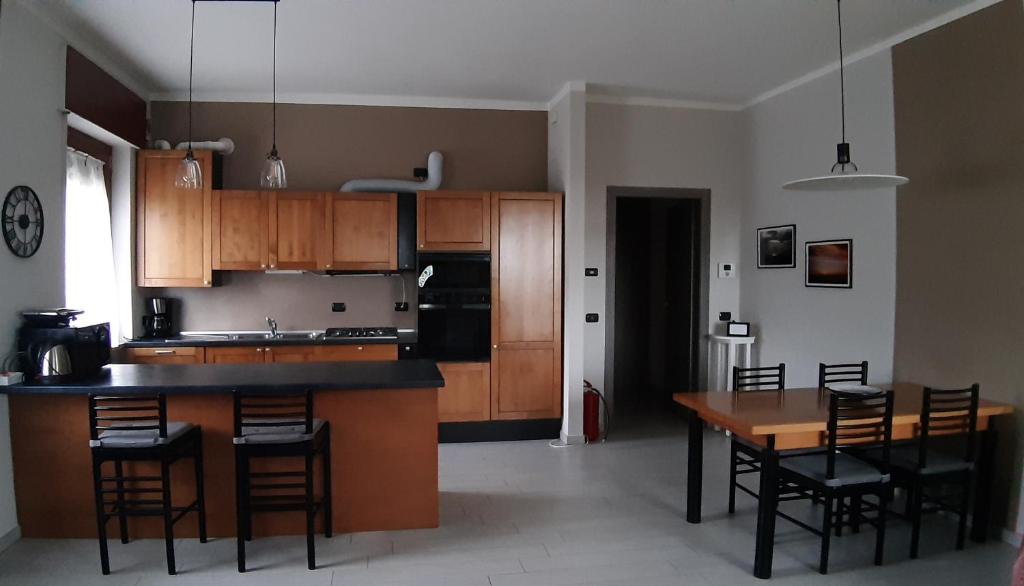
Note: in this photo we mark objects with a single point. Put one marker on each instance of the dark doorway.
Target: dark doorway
(657, 300)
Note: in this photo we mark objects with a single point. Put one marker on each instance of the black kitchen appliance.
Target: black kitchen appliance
(455, 307)
(158, 323)
(387, 334)
(64, 351)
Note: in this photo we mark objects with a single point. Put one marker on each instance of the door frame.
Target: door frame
(703, 198)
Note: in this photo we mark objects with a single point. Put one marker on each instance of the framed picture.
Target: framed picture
(829, 264)
(776, 247)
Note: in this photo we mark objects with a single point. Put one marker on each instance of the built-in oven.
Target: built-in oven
(454, 307)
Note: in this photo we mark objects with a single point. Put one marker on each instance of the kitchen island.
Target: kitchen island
(383, 419)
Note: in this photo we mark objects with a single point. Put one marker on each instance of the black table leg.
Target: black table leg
(983, 485)
(694, 468)
(766, 504)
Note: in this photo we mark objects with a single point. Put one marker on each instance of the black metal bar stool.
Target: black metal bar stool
(135, 429)
(280, 426)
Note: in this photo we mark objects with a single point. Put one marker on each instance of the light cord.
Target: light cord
(842, 77)
(273, 148)
(191, 54)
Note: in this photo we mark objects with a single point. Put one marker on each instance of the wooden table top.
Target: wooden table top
(800, 410)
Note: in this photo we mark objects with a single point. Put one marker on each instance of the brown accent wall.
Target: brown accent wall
(959, 99)
(96, 96)
(324, 146)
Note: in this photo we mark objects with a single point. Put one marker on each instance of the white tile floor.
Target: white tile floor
(525, 514)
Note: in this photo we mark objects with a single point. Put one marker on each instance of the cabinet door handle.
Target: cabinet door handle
(360, 348)
(165, 352)
(495, 346)
(259, 349)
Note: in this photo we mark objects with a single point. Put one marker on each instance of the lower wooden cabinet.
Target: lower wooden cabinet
(466, 395)
(260, 354)
(184, 355)
(526, 383)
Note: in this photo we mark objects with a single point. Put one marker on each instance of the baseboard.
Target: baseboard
(571, 440)
(10, 538)
(1012, 537)
(498, 431)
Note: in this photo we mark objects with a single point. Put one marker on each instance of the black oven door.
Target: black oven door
(466, 273)
(455, 333)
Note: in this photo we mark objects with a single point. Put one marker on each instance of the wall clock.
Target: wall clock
(22, 221)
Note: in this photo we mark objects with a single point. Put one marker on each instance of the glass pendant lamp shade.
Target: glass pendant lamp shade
(273, 175)
(190, 174)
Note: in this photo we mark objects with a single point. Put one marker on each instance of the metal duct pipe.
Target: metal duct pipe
(224, 145)
(435, 167)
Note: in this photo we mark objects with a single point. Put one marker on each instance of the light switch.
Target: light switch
(726, 270)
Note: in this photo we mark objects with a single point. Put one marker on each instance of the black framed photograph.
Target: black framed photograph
(776, 247)
(829, 264)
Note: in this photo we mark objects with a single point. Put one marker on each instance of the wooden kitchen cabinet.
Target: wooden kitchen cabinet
(296, 227)
(241, 230)
(453, 221)
(466, 395)
(235, 355)
(177, 355)
(526, 297)
(174, 225)
(360, 232)
(366, 352)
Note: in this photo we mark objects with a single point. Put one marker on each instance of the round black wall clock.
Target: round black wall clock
(22, 221)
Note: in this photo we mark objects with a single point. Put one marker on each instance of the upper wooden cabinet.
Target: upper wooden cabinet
(296, 232)
(453, 221)
(174, 226)
(360, 232)
(241, 230)
(526, 296)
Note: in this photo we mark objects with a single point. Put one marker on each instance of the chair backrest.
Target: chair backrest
(949, 412)
(127, 413)
(263, 413)
(842, 373)
(767, 378)
(857, 420)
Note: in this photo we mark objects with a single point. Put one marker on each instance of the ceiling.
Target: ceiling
(516, 51)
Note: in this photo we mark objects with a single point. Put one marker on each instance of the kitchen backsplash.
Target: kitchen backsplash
(296, 301)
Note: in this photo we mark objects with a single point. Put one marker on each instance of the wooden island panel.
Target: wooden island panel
(384, 465)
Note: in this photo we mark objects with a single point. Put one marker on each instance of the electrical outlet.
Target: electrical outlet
(590, 272)
(592, 318)
(725, 316)
(401, 306)
(337, 307)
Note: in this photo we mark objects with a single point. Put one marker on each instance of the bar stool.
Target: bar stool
(135, 429)
(276, 426)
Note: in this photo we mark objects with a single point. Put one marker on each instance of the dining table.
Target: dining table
(798, 418)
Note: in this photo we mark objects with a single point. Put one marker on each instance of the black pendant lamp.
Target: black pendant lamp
(190, 174)
(845, 175)
(272, 176)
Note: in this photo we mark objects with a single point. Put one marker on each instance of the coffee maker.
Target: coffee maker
(158, 323)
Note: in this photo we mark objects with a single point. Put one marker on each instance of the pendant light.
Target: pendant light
(273, 176)
(190, 174)
(845, 175)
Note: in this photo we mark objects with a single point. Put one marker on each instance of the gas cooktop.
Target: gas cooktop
(390, 333)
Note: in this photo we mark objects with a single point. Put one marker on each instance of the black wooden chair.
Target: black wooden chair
(856, 420)
(135, 429)
(280, 426)
(949, 416)
(829, 374)
(745, 456)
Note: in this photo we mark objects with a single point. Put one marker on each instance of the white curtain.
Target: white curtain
(89, 282)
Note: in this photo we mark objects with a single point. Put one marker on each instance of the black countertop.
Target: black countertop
(199, 379)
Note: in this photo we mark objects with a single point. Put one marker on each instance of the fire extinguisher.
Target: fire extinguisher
(592, 400)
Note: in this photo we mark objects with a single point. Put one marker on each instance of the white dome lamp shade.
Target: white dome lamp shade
(845, 175)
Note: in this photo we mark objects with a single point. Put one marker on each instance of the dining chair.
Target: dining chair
(855, 420)
(949, 416)
(745, 456)
(829, 374)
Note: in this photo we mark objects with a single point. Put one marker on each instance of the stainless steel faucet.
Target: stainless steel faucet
(273, 326)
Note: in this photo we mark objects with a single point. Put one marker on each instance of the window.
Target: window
(89, 282)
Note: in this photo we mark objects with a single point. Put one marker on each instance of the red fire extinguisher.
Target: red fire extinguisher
(592, 399)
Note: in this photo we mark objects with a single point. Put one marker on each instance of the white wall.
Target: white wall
(793, 135)
(31, 153)
(566, 163)
(645, 146)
